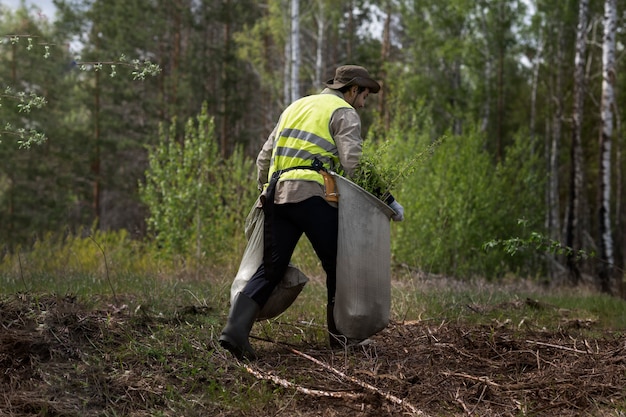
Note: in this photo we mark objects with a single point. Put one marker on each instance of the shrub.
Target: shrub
(197, 199)
(459, 199)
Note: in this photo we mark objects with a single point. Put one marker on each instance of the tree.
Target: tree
(194, 196)
(500, 21)
(193, 44)
(295, 50)
(35, 185)
(44, 192)
(438, 38)
(463, 57)
(573, 220)
(552, 30)
(19, 35)
(608, 105)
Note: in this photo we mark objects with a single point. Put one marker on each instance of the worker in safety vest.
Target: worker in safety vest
(315, 134)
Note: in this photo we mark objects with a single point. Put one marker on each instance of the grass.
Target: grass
(154, 342)
(85, 269)
(412, 298)
(518, 303)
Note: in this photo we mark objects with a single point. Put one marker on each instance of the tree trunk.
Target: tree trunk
(533, 92)
(608, 101)
(385, 54)
(96, 163)
(619, 234)
(225, 93)
(572, 229)
(287, 68)
(350, 31)
(488, 74)
(500, 104)
(554, 226)
(295, 50)
(319, 60)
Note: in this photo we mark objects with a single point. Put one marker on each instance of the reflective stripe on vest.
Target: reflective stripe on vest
(304, 134)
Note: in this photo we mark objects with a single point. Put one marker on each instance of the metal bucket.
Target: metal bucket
(363, 297)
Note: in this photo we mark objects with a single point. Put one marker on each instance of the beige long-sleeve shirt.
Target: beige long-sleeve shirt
(345, 127)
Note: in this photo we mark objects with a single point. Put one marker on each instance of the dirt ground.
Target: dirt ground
(49, 346)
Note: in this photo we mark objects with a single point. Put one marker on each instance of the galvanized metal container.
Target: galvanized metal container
(363, 297)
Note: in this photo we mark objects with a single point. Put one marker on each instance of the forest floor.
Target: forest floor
(60, 358)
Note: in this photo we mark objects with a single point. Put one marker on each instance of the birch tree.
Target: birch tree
(319, 44)
(385, 55)
(607, 106)
(555, 38)
(553, 141)
(572, 228)
(295, 50)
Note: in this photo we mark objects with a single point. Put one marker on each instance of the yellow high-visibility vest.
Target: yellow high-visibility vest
(303, 135)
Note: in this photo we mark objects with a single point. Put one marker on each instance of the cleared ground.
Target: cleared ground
(59, 358)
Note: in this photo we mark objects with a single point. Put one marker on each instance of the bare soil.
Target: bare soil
(60, 358)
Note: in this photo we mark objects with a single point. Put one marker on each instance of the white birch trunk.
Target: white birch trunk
(608, 102)
(573, 231)
(319, 60)
(295, 50)
(488, 71)
(619, 181)
(554, 146)
(287, 72)
(287, 56)
(535, 82)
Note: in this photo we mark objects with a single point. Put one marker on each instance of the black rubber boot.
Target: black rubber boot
(241, 317)
(335, 338)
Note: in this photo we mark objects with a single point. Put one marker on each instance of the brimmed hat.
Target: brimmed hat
(352, 75)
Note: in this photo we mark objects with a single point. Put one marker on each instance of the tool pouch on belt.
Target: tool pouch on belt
(330, 187)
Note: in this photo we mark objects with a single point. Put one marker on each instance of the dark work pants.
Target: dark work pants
(318, 220)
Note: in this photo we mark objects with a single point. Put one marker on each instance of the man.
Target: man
(314, 134)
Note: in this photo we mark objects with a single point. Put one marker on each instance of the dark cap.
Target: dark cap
(353, 75)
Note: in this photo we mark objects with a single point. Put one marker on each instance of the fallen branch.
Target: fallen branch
(505, 387)
(558, 347)
(458, 399)
(316, 392)
(484, 379)
(390, 397)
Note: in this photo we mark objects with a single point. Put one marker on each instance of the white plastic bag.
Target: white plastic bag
(292, 283)
(363, 296)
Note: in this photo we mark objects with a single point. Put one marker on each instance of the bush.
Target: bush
(459, 199)
(197, 199)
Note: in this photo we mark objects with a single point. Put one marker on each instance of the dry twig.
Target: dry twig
(390, 397)
(316, 392)
(558, 347)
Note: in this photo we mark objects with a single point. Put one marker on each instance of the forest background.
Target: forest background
(135, 125)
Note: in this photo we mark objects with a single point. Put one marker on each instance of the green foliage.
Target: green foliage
(26, 101)
(21, 94)
(264, 39)
(47, 189)
(139, 69)
(463, 59)
(458, 200)
(378, 176)
(535, 242)
(197, 200)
